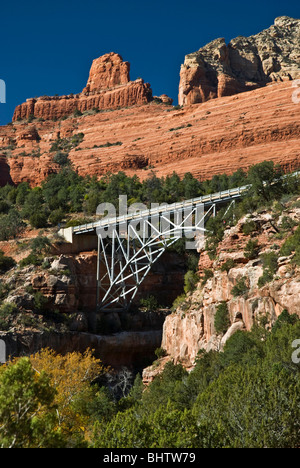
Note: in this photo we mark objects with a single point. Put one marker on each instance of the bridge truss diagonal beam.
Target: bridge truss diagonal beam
(125, 257)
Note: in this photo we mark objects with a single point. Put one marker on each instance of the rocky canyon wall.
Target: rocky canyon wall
(192, 327)
(246, 63)
(218, 136)
(126, 128)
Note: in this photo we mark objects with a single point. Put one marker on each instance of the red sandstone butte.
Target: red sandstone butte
(108, 87)
(106, 72)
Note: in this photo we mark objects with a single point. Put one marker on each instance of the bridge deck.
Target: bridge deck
(206, 200)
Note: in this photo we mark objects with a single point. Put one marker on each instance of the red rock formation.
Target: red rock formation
(244, 64)
(108, 87)
(192, 327)
(218, 136)
(107, 71)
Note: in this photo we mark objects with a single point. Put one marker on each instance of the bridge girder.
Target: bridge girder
(126, 256)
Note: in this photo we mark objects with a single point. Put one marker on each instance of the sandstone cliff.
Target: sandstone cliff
(218, 69)
(192, 327)
(126, 128)
(108, 87)
(219, 136)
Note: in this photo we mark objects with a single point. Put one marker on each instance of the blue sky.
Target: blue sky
(47, 47)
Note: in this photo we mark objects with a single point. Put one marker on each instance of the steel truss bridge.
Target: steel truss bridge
(129, 245)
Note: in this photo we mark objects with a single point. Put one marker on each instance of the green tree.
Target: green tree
(222, 318)
(27, 413)
(251, 250)
(11, 225)
(250, 407)
(40, 245)
(6, 263)
(38, 219)
(190, 281)
(265, 180)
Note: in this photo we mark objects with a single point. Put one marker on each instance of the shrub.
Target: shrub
(291, 243)
(40, 302)
(6, 263)
(38, 220)
(62, 159)
(249, 227)
(32, 259)
(240, 289)
(228, 265)
(222, 318)
(149, 303)
(77, 113)
(4, 207)
(190, 281)
(6, 312)
(4, 291)
(77, 139)
(270, 261)
(39, 245)
(270, 265)
(108, 144)
(283, 319)
(266, 277)
(252, 249)
(296, 258)
(77, 222)
(178, 302)
(287, 223)
(160, 353)
(193, 262)
(11, 225)
(56, 217)
(207, 275)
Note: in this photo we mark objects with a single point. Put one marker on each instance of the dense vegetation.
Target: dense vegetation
(246, 396)
(64, 195)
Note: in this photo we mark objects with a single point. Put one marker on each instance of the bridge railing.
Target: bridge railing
(204, 199)
(211, 198)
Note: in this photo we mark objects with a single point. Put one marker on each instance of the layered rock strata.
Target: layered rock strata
(108, 87)
(218, 136)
